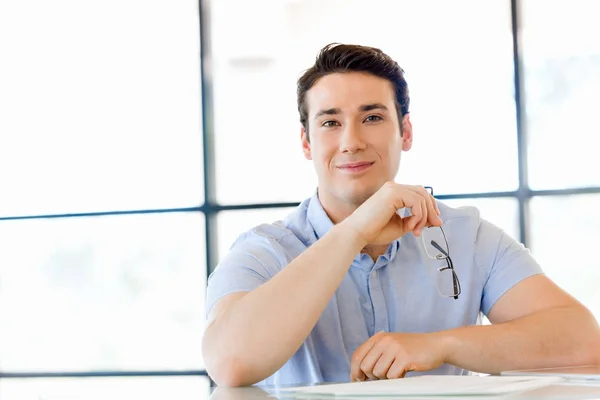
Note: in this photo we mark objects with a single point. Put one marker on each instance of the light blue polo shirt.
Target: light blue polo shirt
(395, 294)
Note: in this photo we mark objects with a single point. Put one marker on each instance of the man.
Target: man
(346, 289)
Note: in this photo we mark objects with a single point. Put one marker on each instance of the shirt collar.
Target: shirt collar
(317, 217)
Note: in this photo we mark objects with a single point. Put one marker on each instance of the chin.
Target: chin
(362, 192)
(358, 196)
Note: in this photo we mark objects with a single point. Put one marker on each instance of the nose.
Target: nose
(351, 139)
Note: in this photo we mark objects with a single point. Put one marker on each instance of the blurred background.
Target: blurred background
(139, 138)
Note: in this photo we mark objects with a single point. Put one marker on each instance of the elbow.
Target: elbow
(230, 372)
(594, 355)
(587, 350)
(223, 367)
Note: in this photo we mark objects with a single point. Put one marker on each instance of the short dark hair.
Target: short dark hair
(336, 57)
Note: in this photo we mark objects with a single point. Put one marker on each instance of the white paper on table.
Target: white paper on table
(429, 385)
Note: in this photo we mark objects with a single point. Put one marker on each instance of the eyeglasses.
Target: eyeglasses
(436, 248)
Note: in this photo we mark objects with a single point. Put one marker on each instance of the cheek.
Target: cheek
(390, 152)
(323, 152)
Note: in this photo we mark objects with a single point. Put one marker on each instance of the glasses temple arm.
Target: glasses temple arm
(439, 248)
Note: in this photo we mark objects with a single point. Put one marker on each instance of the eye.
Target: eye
(373, 118)
(329, 124)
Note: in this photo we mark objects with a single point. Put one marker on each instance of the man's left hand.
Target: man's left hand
(391, 355)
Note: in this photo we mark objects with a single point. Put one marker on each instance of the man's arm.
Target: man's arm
(535, 325)
(249, 336)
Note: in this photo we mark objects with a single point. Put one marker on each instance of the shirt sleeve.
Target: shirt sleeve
(251, 261)
(507, 261)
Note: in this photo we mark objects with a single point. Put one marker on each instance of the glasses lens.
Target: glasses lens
(447, 282)
(435, 243)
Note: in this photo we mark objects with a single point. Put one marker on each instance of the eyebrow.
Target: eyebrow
(374, 106)
(363, 108)
(329, 111)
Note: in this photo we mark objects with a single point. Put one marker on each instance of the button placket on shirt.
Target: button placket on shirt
(380, 317)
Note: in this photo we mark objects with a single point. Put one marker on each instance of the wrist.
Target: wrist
(347, 229)
(449, 344)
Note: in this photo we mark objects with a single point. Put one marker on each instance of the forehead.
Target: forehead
(348, 91)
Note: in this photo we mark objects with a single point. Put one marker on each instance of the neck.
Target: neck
(337, 212)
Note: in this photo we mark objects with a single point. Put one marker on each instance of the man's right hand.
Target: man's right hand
(377, 221)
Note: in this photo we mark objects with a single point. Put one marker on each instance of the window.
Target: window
(98, 113)
(120, 292)
(562, 90)
(100, 116)
(562, 84)
(564, 238)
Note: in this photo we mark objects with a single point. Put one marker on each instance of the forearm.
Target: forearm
(550, 338)
(263, 329)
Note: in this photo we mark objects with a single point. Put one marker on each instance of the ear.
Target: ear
(305, 144)
(407, 133)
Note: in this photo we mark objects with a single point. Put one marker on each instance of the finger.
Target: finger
(424, 219)
(431, 203)
(430, 200)
(361, 377)
(370, 360)
(416, 209)
(382, 366)
(435, 204)
(359, 355)
(398, 369)
(433, 213)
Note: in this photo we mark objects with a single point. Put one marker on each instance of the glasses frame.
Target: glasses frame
(445, 255)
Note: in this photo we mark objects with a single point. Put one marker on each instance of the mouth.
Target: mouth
(353, 168)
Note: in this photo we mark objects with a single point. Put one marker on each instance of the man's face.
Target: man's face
(355, 140)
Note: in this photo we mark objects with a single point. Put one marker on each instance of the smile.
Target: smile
(354, 168)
